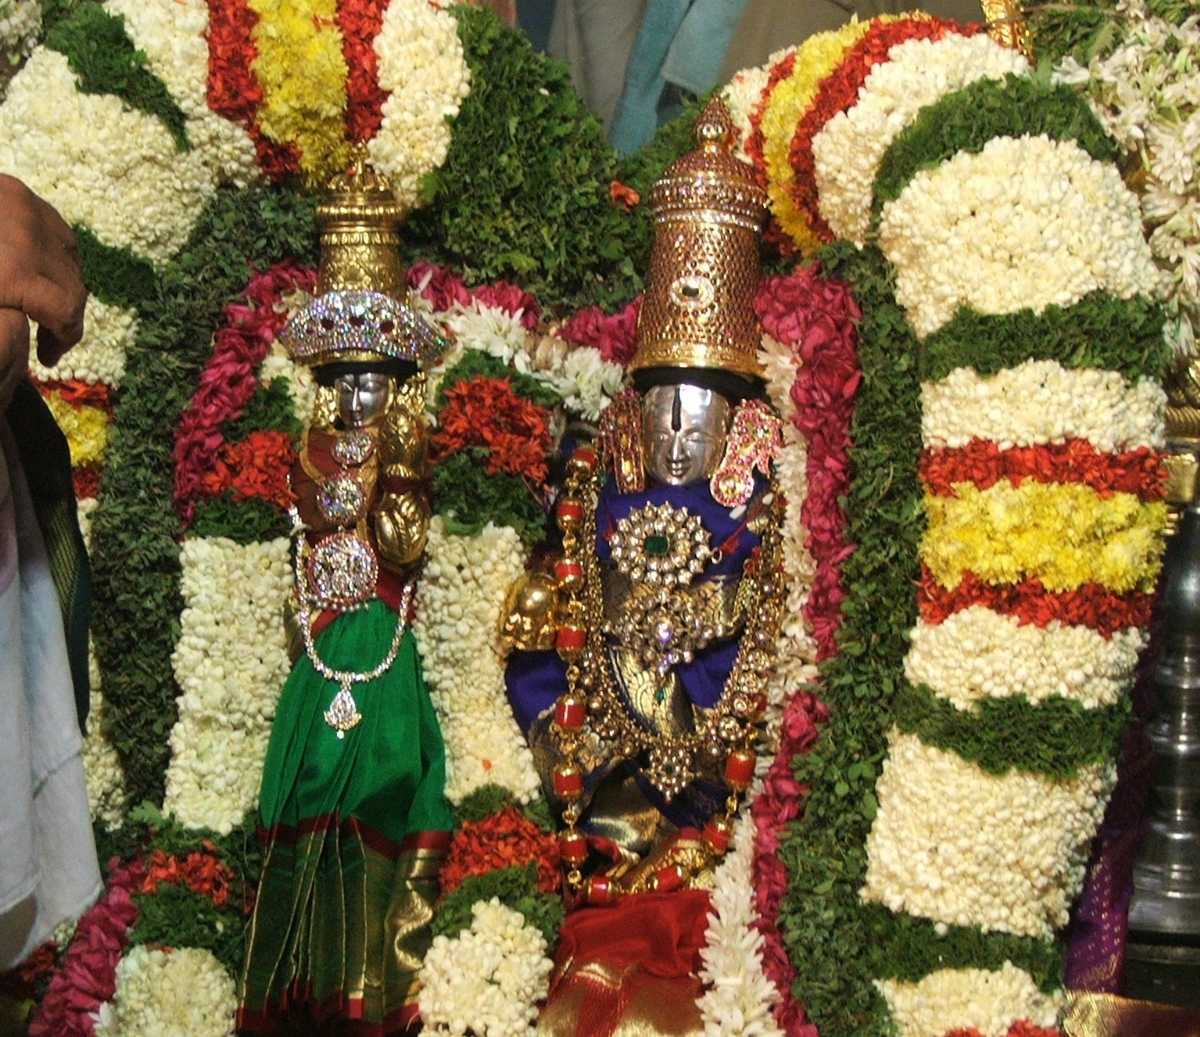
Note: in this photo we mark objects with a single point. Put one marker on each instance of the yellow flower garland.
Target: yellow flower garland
(816, 58)
(1063, 534)
(86, 429)
(302, 72)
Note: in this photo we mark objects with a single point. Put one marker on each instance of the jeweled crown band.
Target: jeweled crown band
(360, 325)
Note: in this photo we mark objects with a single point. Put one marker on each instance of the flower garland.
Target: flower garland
(86, 977)
(163, 991)
(99, 359)
(20, 26)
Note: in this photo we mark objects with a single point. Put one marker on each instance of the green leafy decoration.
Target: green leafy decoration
(271, 407)
(175, 916)
(114, 275)
(477, 364)
(515, 887)
(105, 60)
(469, 498)
(524, 191)
(1100, 331)
(135, 530)
(966, 120)
(484, 802)
(1053, 739)
(244, 521)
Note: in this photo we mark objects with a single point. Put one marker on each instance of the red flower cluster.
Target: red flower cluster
(87, 977)
(202, 872)
(233, 90)
(86, 481)
(442, 289)
(77, 393)
(229, 381)
(360, 22)
(504, 840)
(624, 195)
(486, 412)
(20, 984)
(1090, 605)
(838, 92)
(615, 334)
(983, 463)
(255, 469)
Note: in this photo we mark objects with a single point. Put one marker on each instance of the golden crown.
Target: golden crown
(698, 310)
(361, 311)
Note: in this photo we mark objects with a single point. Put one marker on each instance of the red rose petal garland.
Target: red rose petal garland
(503, 840)
(360, 22)
(615, 334)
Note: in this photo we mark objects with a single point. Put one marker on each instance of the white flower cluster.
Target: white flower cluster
(742, 93)
(100, 163)
(586, 382)
(301, 383)
(962, 999)
(421, 65)
(20, 25)
(230, 662)
(169, 993)
(1039, 402)
(463, 587)
(849, 148)
(962, 847)
(1026, 222)
(174, 38)
(488, 979)
(1146, 92)
(102, 770)
(738, 998)
(108, 332)
(978, 653)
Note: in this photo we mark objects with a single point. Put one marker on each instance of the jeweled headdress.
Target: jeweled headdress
(708, 208)
(361, 312)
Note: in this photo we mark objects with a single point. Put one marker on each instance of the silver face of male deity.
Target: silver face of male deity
(683, 432)
(362, 397)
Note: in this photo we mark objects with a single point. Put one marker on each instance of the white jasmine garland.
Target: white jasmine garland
(99, 358)
(849, 147)
(173, 34)
(20, 25)
(586, 382)
(1039, 402)
(122, 177)
(169, 993)
(102, 769)
(989, 1001)
(978, 653)
(957, 845)
(463, 587)
(742, 94)
(421, 64)
(488, 979)
(1024, 223)
(231, 662)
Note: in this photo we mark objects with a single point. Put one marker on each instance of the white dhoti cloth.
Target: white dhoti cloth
(48, 869)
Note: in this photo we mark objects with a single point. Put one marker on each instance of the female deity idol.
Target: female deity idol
(353, 818)
(645, 717)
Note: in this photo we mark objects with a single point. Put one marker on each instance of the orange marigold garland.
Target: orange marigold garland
(486, 412)
(503, 840)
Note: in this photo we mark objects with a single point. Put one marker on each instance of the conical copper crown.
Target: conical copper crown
(708, 207)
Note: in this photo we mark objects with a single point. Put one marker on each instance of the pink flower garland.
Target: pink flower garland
(442, 289)
(817, 319)
(87, 975)
(229, 380)
(615, 334)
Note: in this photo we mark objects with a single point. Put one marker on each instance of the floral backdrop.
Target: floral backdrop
(963, 330)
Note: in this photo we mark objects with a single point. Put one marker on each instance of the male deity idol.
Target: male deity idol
(353, 819)
(646, 715)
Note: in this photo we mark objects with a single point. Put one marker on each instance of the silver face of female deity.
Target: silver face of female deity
(683, 432)
(362, 397)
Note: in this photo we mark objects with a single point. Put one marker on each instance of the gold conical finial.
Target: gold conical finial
(708, 208)
(360, 232)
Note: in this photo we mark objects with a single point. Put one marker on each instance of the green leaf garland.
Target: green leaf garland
(514, 887)
(469, 498)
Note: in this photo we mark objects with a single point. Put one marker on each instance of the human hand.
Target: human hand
(40, 275)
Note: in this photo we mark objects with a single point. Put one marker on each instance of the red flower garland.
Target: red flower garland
(615, 334)
(255, 469)
(504, 840)
(444, 289)
(838, 92)
(233, 90)
(202, 872)
(486, 412)
(77, 393)
(983, 463)
(817, 319)
(87, 977)
(1090, 605)
(86, 481)
(360, 22)
(756, 141)
(1021, 1028)
(230, 378)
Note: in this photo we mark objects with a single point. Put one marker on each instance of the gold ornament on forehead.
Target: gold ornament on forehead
(708, 210)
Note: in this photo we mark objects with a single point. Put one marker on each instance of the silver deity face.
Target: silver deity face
(362, 397)
(683, 432)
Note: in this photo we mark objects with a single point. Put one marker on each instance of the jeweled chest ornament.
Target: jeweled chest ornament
(661, 544)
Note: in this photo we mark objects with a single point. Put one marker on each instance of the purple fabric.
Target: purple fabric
(1099, 924)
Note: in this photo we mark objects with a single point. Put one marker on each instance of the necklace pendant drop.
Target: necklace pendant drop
(342, 714)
